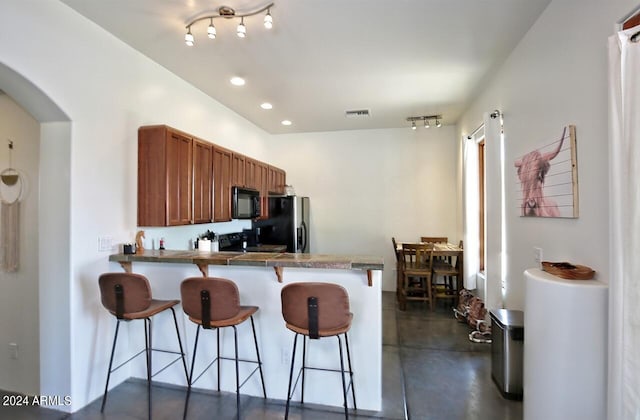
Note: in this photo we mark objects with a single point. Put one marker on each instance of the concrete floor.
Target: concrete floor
(430, 371)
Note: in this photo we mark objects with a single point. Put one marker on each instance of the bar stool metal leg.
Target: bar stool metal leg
(148, 343)
(353, 389)
(235, 342)
(218, 354)
(190, 377)
(193, 356)
(113, 351)
(184, 360)
(304, 365)
(293, 359)
(344, 384)
(255, 340)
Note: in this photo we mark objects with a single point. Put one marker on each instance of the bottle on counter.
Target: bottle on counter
(161, 244)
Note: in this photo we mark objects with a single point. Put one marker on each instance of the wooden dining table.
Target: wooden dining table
(441, 249)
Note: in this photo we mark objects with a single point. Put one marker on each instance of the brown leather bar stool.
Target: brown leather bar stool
(214, 303)
(127, 296)
(317, 310)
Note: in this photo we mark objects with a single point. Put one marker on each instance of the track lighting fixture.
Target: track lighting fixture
(425, 119)
(229, 13)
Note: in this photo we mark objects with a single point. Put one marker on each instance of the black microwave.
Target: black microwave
(245, 203)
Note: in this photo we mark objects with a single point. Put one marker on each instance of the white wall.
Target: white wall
(367, 186)
(108, 90)
(556, 76)
(19, 306)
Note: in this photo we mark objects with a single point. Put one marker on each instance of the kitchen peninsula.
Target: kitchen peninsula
(260, 277)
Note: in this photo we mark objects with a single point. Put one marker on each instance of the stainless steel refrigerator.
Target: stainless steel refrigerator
(288, 223)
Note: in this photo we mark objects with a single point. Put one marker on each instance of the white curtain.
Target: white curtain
(471, 210)
(624, 286)
(494, 209)
(490, 131)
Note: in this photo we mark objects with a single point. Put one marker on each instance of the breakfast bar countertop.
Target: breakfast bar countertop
(276, 260)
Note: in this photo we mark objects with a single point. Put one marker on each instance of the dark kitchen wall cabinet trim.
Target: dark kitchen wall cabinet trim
(186, 180)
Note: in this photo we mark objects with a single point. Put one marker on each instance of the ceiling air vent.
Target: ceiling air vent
(357, 113)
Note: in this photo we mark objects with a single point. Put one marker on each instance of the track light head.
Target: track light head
(268, 20)
(242, 30)
(188, 38)
(426, 123)
(413, 125)
(438, 123)
(211, 30)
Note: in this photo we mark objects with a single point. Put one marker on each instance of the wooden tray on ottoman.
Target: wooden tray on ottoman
(568, 271)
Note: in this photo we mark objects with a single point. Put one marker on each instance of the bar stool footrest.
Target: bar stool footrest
(350, 373)
(217, 359)
(144, 351)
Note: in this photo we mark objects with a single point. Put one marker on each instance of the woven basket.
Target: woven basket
(568, 271)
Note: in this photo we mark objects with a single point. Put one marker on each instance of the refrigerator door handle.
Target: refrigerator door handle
(302, 237)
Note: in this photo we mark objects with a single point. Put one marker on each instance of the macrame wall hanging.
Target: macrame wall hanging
(10, 196)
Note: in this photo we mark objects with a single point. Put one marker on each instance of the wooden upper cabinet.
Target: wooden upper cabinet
(222, 165)
(164, 177)
(202, 181)
(237, 170)
(184, 180)
(281, 181)
(277, 180)
(251, 173)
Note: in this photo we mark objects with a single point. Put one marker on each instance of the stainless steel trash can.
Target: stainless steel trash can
(507, 348)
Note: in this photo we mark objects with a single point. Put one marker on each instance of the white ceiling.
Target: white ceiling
(396, 58)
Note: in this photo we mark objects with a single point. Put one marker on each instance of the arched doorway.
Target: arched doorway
(49, 308)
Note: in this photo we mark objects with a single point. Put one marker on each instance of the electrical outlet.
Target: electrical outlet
(537, 255)
(105, 243)
(13, 350)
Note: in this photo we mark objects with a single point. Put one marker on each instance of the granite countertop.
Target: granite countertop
(276, 260)
(267, 248)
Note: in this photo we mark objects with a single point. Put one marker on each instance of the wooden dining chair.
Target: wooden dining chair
(417, 266)
(448, 271)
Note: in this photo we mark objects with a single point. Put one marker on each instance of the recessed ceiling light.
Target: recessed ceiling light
(237, 81)
(285, 122)
(266, 105)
